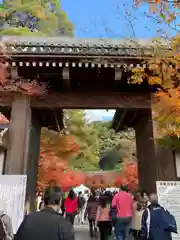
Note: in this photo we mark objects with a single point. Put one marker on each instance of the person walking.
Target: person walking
(123, 202)
(81, 208)
(103, 220)
(71, 206)
(136, 223)
(156, 221)
(91, 210)
(48, 223)
(144, 199)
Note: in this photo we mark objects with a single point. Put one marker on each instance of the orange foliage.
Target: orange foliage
(118, 181)
(129, 175)
(167, 112)
(62, 146)
(175, 3)
(55, 169)
(33, 88)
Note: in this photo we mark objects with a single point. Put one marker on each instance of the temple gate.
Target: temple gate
(79, 74)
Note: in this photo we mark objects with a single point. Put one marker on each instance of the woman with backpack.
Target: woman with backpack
(103, 220)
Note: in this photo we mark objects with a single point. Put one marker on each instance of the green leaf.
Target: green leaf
(51, 22)
(162, 15)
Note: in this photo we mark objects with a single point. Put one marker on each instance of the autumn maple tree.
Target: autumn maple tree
(55, 154)
(55, 170)
(163, 72)
(129, 175)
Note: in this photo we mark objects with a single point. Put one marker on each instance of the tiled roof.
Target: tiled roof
(74, 46)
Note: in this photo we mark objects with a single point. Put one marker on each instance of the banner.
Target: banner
(169, 198)
(12, 197)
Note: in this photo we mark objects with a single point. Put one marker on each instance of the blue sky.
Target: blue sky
(109, 18)
(99, 115)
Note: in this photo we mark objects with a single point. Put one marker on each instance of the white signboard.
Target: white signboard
(169, 198)
(12, 197)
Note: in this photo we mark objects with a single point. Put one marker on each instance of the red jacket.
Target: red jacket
(71, 205)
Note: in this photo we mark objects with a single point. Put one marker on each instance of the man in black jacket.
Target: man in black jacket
(46, 224)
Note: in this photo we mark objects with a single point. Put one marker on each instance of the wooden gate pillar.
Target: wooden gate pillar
(145, 148)
(154, 162)
(24, 145)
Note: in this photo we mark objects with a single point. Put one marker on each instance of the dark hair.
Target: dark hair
(93, 194)
(103, 201)
(71, 194)
(91, 198)
(109, 196)
(143, 192)
(52, 195)
(124, 188)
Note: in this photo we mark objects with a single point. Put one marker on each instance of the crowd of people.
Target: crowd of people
(120, 211)
(126, 214)
(129, 216)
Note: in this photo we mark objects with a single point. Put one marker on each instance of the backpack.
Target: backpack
(113, 213)
(3, 231)
(81, 202)
(170, 224)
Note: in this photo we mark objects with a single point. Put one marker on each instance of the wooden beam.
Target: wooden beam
(83, 100)
(134, 116)
(92, 100)
(121, 118)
